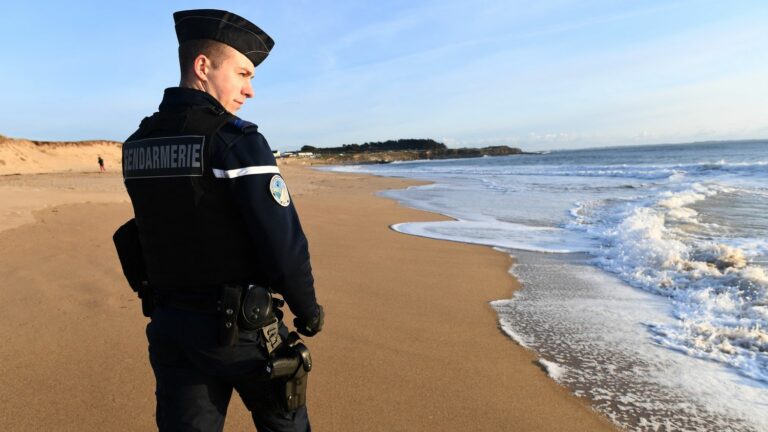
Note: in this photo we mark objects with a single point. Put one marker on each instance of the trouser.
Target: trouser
(196, 375)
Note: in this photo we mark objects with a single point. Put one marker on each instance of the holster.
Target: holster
(290, 369)
(294, 395)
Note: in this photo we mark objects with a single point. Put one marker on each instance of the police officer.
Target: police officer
(214, 218)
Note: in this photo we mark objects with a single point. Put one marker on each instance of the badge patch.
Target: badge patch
(279, 191)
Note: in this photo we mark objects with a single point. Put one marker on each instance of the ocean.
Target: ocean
(644, 270)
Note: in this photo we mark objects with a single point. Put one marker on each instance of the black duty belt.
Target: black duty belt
(240, 307)
(191, 301)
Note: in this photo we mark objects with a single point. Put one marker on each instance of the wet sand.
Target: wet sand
(410, 342)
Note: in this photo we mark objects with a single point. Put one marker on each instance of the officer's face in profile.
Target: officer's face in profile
(230, 82)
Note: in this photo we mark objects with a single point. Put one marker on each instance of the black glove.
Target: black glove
(311, 327)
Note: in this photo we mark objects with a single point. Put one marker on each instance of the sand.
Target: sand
(410, 341)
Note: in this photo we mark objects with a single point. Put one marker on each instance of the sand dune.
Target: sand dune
(20, 156)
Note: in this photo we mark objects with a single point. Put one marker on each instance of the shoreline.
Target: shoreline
(607, 337)
(417, 341)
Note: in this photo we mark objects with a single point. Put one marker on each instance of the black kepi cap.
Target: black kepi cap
(224, 27)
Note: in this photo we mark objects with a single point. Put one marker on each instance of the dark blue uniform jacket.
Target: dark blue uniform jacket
(216, 213)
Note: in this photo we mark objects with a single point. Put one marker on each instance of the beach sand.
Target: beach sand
(410, 342)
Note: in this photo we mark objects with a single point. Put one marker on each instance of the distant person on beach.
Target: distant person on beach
(218, 235)
(101, 164)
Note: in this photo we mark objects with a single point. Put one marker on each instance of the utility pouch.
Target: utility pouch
(148, 301)
(229, 305)
(128, 247)
(258, 312)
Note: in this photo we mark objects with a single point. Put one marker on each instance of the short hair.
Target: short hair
(189, 50)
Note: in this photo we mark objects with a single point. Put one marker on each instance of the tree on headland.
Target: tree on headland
(380, 146)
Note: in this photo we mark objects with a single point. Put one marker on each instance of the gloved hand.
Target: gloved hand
(311, 327)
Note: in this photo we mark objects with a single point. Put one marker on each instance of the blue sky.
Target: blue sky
(537, 75)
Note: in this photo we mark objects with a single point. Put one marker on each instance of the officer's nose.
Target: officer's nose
(248, 90)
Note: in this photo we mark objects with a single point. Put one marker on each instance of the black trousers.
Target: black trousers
(195, 376)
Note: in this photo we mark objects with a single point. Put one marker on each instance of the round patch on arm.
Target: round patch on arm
(279, 191)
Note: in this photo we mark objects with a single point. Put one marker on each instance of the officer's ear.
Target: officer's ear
(201, 66)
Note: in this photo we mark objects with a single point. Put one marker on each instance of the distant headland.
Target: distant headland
(399, 150)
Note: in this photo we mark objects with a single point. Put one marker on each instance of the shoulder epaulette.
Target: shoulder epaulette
(243, 125)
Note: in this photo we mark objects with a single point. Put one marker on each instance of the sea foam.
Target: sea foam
(718, 297)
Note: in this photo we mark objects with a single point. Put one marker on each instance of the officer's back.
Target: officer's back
(217, 230)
